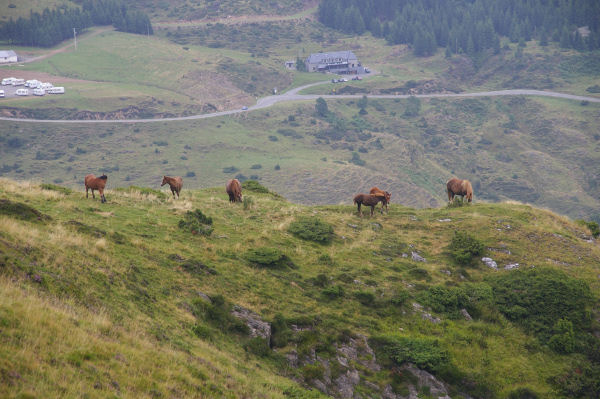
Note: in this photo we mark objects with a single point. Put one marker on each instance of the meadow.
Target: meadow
(111, 294)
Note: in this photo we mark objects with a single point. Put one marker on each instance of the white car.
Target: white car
(1, 93)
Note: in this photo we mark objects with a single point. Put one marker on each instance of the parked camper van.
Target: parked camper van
(33, 83)
(18, 82)
(1, 93)
(55, 90)
(8, 81)
(22, 92)
(45, 86)
(39, 92)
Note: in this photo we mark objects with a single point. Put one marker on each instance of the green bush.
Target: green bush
(313, 371)
(268, 257)
(258, 346)
(593, 226)
(425, 353)
(196, 223)
(218, 313)
(21, 211)
(281, 333)
(563, 341)
(312, 229)
(365, 297)
(54, 187)
(523, 393)
(464, 248)
(450, 300)
(253, 185)
(537, 298)
(333, 292)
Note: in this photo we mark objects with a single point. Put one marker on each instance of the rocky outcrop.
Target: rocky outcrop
(258, 327)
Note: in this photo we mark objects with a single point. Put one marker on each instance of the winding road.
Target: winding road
(292, 95)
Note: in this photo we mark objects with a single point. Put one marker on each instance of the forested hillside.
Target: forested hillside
(468, 27)
(53, 26)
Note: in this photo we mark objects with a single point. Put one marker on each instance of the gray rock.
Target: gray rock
(258, 327)
(431, 318)
(405, 255)
(346, 382)
(320, 385)
(511, 266)
(204, 296)
(417, 258)
(388, 393)
(354, 226)
(436, 387)
(466, 314)
(448, 272)
(292, 358)
(376, 226)
(444, 220)
(489, 262)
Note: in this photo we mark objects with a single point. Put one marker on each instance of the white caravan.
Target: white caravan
(39, 92)
(18, 82)
(22, 92)
(55, 90)
(1, 93)
(8, 81)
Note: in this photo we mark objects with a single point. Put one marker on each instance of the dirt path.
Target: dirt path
(292, 95)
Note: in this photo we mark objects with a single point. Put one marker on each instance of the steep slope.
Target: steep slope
(124, 298)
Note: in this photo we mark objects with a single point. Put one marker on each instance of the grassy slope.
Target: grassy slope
(110, 313)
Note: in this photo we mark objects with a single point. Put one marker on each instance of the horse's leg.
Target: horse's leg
(372, 210)
(173, 192)
(359, 211)
(102, 198)
(86, 191)
(450, 196)
(93, 196)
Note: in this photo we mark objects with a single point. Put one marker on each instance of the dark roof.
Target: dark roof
(319, 58)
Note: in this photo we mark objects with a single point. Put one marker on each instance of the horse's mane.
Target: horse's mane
(103, 177)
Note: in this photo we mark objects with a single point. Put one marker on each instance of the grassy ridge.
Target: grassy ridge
(125, 279)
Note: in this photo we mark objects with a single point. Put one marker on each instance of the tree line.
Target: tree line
(53, 26)
(464, 26)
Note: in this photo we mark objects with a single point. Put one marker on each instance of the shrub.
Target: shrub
(258, 346)
(313, 371)
(281, 333)
(256, 166)
(312, 229)
(190, 174)
(218, 313)
(253, 185)
(230, 169)
(593, 89)
(54, 187)
(333, 292)
(365, 297)
(196, 223)
(277, 167)
(425, 353)
(464, 248)
(591, 225)
(268, 257)
(536, 298)
(356, 159)
(563, 341)
(523, 393)
(21, 211)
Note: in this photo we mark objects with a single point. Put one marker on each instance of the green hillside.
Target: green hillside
(125, 299)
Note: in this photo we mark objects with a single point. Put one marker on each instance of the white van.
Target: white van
(22, 92)
(39, 92)
(33, 83)
(45, 86)
(18, 82)
(8, 81)
(55, 90)
(1, 93)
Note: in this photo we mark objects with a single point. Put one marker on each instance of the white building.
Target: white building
(7, 56)
(337, 62)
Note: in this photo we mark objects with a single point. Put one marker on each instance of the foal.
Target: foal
(95, 183)
(369, 200)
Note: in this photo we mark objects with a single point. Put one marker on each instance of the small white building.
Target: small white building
(7, 56)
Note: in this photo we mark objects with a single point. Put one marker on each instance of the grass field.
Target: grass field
(107, 292)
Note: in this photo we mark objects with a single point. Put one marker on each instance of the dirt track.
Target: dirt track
(292, 95)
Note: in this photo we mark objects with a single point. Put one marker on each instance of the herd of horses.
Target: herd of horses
(454, 187)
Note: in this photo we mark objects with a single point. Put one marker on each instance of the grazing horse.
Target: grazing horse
(95, 183)
(234, 189)
(369, 200)
(174, 182)
(463, 188)
(387, 195)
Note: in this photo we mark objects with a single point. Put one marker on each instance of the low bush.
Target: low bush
(333, 292)
(464, 248)
(312, 229)
(591, 225)
(365, 297)
(258, 346)
(268, 257)
(253, 185)
(197, 223)
(54, 187)
(218, 313)
(21, 211)
(230, 169)
(537, 298)
(313, 371)
(281, 332)
(425, 353)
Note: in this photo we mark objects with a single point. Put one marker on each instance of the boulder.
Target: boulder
(258, 327)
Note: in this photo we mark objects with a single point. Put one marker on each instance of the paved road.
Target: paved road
(293, 95)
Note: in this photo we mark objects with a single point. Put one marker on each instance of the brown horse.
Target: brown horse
(463, 188)
(174, 182)
(234, 190)
(95, 183)
(388, 197)
(369, 200)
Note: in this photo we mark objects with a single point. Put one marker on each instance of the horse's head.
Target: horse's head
(469, 191)
(164, 181)
(388, 197)
(103, 177)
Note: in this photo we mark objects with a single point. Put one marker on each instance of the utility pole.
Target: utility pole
(75, 37)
